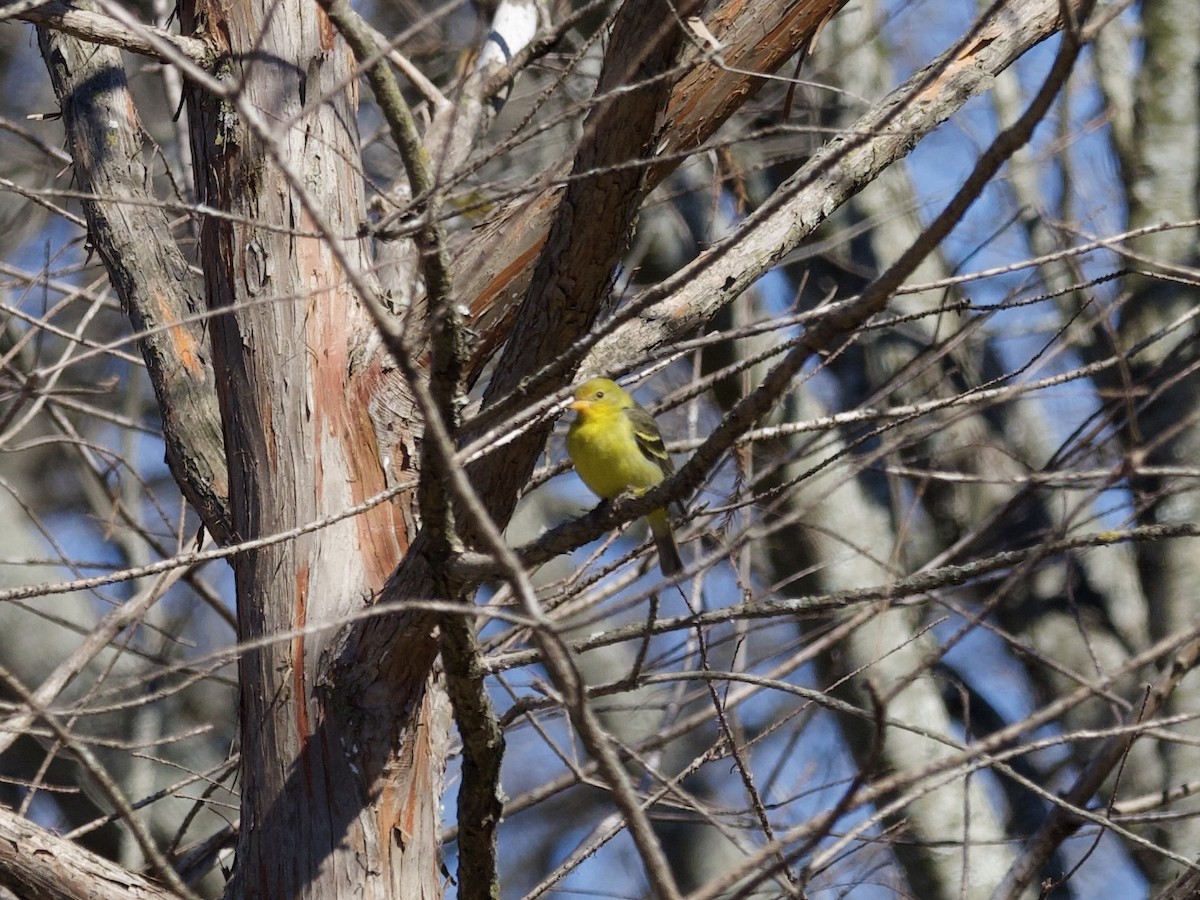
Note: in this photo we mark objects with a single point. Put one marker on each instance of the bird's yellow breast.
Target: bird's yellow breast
(607, 455)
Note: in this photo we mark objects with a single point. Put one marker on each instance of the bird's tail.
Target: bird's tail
(664, 540)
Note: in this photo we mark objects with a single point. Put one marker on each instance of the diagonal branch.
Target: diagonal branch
(133, 236)
(43, 866)
(885, 134)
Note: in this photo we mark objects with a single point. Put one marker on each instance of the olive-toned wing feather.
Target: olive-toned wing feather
(649, 438)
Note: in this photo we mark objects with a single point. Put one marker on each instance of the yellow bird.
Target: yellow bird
(617, 449)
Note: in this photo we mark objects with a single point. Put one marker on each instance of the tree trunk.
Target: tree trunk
(296, 419)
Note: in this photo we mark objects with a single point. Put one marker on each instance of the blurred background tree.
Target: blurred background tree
(299, 597)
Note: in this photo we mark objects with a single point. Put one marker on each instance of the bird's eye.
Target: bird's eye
(599, 394)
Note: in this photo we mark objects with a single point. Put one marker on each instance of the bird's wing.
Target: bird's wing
(649, 438)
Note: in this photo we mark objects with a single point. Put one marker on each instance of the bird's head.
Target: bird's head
(599, 394)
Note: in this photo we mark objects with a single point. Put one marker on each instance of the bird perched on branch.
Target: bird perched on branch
(617, 449)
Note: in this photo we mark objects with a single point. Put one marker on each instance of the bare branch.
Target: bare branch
(97, 28)
(39, 865)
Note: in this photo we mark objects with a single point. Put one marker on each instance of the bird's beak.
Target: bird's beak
(579, 405)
